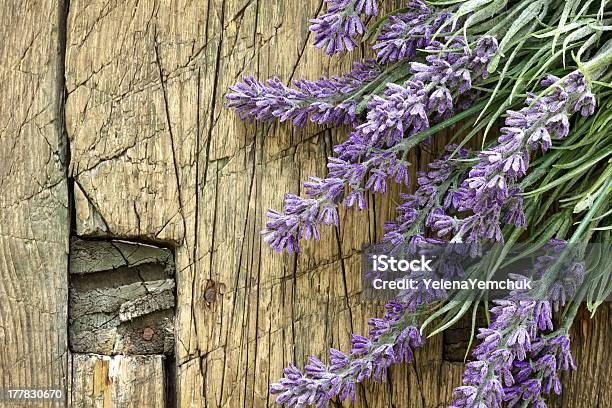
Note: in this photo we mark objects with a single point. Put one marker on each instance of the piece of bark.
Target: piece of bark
(122, 298)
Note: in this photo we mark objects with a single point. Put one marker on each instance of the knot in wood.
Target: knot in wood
(147, 333)
(210, 295)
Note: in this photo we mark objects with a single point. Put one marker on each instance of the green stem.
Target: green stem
(605, 190)
(603, 59)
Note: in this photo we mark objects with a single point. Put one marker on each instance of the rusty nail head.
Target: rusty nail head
(210, 295)
(148, 333)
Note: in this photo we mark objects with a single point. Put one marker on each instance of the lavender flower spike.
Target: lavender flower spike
(420, 210)
(404, 33)
(324, 101)
(492, 190)
(336, 30)
(299, 220)
(391, 341)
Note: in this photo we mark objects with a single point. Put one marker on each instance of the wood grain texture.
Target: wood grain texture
(121, 299)
(117, 382)
(34, 224)
(589, 385)
(135, 318)
(157, 157)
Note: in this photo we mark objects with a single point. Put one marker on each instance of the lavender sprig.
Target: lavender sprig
(369, 157)
(324, 101)
(516, 360)
(419, 210)
(337, 29)
(404, 33)
(392, 341)
(492, 190)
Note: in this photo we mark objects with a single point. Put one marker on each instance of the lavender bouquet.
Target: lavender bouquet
(533, 72)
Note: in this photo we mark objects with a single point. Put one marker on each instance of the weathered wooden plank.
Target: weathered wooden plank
(117, 382)
(132, 114)
(133, 126)
(156, 156)
(88, 257)
(34, 222)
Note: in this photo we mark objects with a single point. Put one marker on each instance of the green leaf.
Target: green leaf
(588, 44)
(560, 30)
(526, 17)
(570, 175)
(470, 6)
(453, 320)
(485, 13)
(575, 36)
(472, 330)
(569, 5)
(504, 20)
(493, 63)
(584, 204)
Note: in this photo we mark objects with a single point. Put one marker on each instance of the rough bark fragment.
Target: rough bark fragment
(122, 298)
(98, 256)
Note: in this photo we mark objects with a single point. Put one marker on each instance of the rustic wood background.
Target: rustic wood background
(113, 125)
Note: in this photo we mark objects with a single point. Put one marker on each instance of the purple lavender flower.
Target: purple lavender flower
(391, 341)
(337, 29)
(538, 375)
(370, 157)
(493, 184)
(558, 273)
(299, 220)
(423, 208)
(516, 361)
(404, 33)
(325, 101)
(427, 96)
